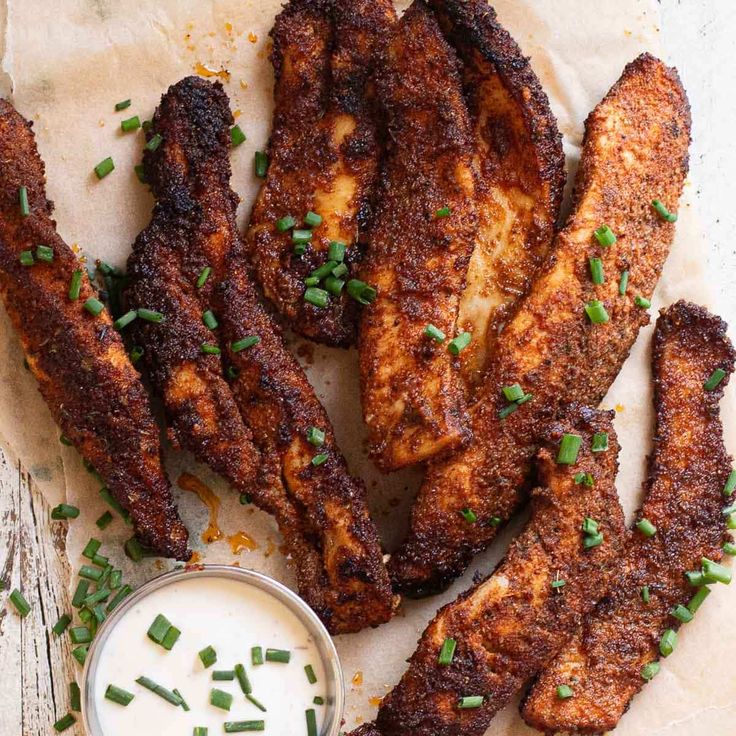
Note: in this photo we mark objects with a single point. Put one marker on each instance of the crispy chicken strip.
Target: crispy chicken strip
(521, 173)
(321, 510)
(635, 150)
(422, 238)
(687, 474)
(324, 155)
(509, 626)
(83, 371)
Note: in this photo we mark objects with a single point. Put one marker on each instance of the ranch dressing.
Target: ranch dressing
(231, 617)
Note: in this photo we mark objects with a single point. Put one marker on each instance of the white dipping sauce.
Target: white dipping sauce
(231, 617)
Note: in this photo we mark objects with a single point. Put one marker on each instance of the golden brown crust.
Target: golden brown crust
(512, 624)
(411, 393)
(635, 150)
(684, 500)
(187, 171)
(521, 173)
(324, 154)
(83, 371)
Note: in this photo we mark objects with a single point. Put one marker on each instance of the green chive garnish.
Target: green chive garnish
(513, 392)
(469, 515)
(281, 656)
(443, 212)
(62, 624)
(75, 696)
(220, 699)
(80, 635)
(435, 333)
(94, 306)
(715, 573)
(25, 209)
(506, 410)
(600, 442)
(361, 292)
(334, 286)
(667, 643)
(596, 312)
(125, 319)
(623, 282)
(157, 630)
(309, 672)
(243, 726)
(447, 653)
(284, 224)
(245, 343)
(154, 142)
(243, 680)
(21, 605)
(64, 511)
(170, 638)
(236, 136)
(645, 593)
(204, 274)
(301, 237)
(681, 613)
(131, 124)
(122, 105)
(140, 172)
(63, 723)
(459, 343)
(135, 354)
(649, 671)
(118, 695)
(642, 301)
(729, 548)
(44, 253)
(604, 235)
(80, 654)
(312, 219)
(592, 540)
(26, 258)
(260, 164)
(558, 583)
(564, 692)
(569, 448)
(150, 315)
(105, 167)
(336, 252)
(318, 297)
(585, 479)
(590, 526)
(223, 675)
(75, 285)
(730, 485)
(252, 699)
(311, 717)
(118, 598)
(200, 731)
(663, 212)
(340, 270)
(256, 656)
(162, 692)
(697, 600)
(315, 436)
(715, 378)
(470, 701)
(494, 521)
(208, 656)
(318, 700)
(646, 527)
(209, 320)
(596, 270)
(318, 460)
(134, 550)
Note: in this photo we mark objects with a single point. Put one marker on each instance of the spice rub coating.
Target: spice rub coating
(189, 175)
(520, 173)
(635, 149)
(510, 625)
(324, 155)
(417, 257)
(83, 371)
(684, 500)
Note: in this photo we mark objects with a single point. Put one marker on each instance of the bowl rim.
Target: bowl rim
(335, 691)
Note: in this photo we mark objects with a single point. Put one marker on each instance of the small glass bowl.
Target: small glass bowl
(335, 687)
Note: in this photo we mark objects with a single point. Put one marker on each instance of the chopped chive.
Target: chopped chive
(697, 600)
(320, 459)
(315, 436)
(284, 224)
(506, 410)
(244, 343)
(729, 548)
(667, 643)
(278, 655)
(209, 348)
(340, 270)
(663, 212)
(243, 680)
(260, 164)
(118, 598)
(64, 511)
(435, 333)
(200, 731)
(236, 136)
(513, 392)
(715, 573)
(25, 209)
(26, 258)
(564, 692)
(80, 635)
(256, 656)
(135, 354)
(469, 515)
(232, 372)
(600, 442)
(558, 583)
(105, 167)
(131, 124)
(731, 522)
(150, 315)
(494, 521)
(112, 502)
(118, 695)
(311, 280)
(242, 726)
(99, 613)
(596, 312)
(75, 285)
(94, 306)
(122, 105)
(80, 654)
(470, 701)
(97, 597)
(324, 270)
(730, 485)
(569, 448)
(649, 671)
(585, 479)
(318, 297)
(447, 653)
(157, 630)
(140, 172)
(715, 378)
(80, 593)
(695, 578)
(642, 301)
(44, 253)
(299, 250)
(589, 526)
(161, 691)
(125, 319)
(312, 219)
(309, 672)
(223, 675)
(301, 237)
(361, 292)
(184, 704)
(645, 596)
(646, 527)
(245, 499)
(208, 656)
(154, 142)
(62, 624)
(75, 696)
(336, 251)
(592, 540)
(623, 282)
(209, 320)
(90, 573)
(318, 700)
(204, 274)
(604, 235)
(334, 286)
(681, 613)
(443, 212)
(134, 550)
(459, 343)
(65, 722)
(251, 698)
(65, 440)
(220, 699)
(311, 717)
(21, 605)
(596, 270)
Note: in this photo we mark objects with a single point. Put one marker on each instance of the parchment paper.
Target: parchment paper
(69, 61)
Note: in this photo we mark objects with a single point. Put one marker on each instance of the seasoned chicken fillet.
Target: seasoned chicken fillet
(570, 335)
(611, 657)
(83, 371)
(419, 247)
(324, 155)
(504, 630)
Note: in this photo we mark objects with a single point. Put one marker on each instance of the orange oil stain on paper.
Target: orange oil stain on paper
(189, 482)
(205, 71)
(357, 679)
(252, 37)
(194, 559)
(240, 541)
(375, 701)
(619, 408)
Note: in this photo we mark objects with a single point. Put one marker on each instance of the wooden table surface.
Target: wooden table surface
(36, 666)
